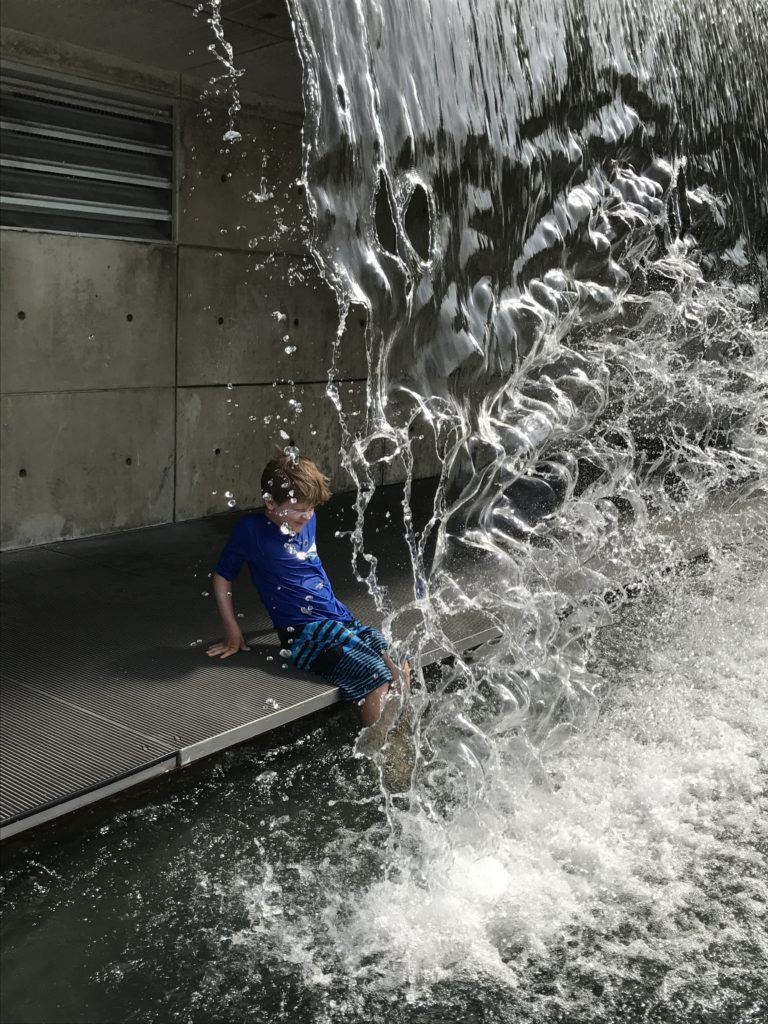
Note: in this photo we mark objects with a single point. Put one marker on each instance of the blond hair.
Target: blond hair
(296, 478)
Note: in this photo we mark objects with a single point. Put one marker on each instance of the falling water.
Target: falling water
(556, 217)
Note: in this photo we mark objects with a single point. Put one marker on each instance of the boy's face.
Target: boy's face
(294, 514)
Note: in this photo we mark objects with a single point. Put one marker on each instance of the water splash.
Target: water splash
(562, 256)
(224, 54)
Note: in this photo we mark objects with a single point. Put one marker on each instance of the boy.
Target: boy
(319, 632)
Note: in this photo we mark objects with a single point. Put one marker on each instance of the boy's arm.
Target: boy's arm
(233, 637)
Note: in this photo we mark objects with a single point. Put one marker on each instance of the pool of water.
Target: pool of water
(618, 874)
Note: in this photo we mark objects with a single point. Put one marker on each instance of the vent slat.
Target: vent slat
(91, 99)
(19, 202)
(74, 170)
(66, 153)
(63, 186)
(8, 126)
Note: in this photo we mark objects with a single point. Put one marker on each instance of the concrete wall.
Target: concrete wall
(87, 364)
(138, 379)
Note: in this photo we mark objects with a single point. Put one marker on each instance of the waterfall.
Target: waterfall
(556, 218)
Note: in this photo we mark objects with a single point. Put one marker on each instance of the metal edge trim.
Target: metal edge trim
(87, 796)
(466, 643)
(223, 740)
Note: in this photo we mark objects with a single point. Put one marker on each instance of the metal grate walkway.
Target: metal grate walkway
(105, 680)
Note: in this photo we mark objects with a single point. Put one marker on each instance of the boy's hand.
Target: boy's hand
(228, 646)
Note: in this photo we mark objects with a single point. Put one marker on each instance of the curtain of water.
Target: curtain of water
(556, 216)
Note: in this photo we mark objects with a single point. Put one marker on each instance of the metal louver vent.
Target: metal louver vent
(79, 159)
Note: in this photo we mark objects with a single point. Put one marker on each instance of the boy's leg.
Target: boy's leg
(372, 706)
(354, 658)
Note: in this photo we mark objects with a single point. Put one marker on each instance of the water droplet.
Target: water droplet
(319, 586)
(231, 503)
(290, 349)
(228, 494)
(305, 610)
(232, 136)
(284, 652)
(230, 385)
(206, 594)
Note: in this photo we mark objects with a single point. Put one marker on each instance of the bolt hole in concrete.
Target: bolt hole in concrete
(296, 321)
(21, 315)
(217, 451)
(129, 317)
(220, 321)
(129, 461)
(22, 473)
(226, 176)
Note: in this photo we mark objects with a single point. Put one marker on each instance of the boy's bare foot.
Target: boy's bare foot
(389, 742)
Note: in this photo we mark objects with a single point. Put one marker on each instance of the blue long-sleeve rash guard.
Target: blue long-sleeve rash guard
(285, 569)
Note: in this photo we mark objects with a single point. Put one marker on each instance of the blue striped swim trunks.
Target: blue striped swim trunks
(346, 654)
